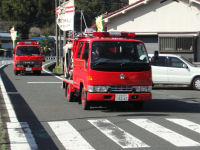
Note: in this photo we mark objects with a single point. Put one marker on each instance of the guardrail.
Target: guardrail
(6, 60)
(50, 58)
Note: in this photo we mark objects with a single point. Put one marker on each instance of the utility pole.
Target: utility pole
(81, 21)
(64, 43)
(57, 57)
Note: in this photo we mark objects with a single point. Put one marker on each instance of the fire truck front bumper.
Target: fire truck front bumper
(28, 69)
(119, 97)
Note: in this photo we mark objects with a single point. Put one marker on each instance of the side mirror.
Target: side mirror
(13, 52)
(185, 66)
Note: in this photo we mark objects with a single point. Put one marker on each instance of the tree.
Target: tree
(23, 14)
(94, 8)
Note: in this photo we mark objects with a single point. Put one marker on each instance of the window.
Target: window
(175, 62)
(28, 50)
(79, 49)
(176, 44)
(86, 52)
(161, 61)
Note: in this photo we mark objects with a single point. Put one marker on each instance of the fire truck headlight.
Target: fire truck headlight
(97, 89)
(136, 89)
(18, 64)
(149, 89)
(146, 89)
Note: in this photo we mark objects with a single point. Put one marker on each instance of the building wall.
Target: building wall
(151, 42)
(155, 18)
(159, 17)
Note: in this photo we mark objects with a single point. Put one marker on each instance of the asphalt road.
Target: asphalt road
(58, 124)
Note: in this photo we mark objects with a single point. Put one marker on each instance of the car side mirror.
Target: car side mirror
(185, 66)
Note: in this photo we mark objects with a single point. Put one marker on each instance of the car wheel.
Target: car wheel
(196, 83)
(69, 94)
(85, 103)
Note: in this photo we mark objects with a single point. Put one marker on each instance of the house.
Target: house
(6, 45)
(169, 26)
(5, 40)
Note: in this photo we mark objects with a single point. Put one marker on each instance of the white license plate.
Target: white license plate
(121, 97)
(28, 69)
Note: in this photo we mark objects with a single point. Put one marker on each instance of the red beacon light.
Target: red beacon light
(27, 43)
(21, 43)
(101, 34)
(114, 34)
(34, 43)
(129, 34)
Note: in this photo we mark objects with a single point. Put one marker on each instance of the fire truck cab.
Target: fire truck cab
(108, 67)
(28, 57)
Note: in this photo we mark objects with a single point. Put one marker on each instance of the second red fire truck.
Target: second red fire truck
(28, 57)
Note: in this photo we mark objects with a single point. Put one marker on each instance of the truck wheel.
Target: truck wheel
(196, 83)
(37, 72)
(69, 94)
(85, 103)
(138, 106)
(16, 72)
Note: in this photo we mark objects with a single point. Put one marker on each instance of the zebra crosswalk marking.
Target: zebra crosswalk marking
(116, 134)
(69, 136)
(164, 133)
(20, 136)
(186, 123)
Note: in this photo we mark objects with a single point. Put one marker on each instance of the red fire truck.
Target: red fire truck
(107, 67)
(28, 57)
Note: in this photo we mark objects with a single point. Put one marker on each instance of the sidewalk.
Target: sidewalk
(4, 142)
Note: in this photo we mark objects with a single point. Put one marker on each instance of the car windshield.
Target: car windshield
(28, 50)
(118, 54)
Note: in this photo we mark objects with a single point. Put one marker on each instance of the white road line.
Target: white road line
(43, 68)
(164, 133)
(69, 137)
(11, 112)
(116, 134)
(43, 82)
(186, 123)
(20, 136)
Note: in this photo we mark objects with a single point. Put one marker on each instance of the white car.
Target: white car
(174, 69)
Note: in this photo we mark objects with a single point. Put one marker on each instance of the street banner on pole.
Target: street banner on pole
(65, 18)
(13, 35)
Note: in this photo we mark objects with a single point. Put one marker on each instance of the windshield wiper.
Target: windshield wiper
(99, 63)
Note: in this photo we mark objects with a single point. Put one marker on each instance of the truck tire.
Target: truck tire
(37, 72)
(196, 83)
(84, 102)
(138, 105)
(69, 94)
(16, 72)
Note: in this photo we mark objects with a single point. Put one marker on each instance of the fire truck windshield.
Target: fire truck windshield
(119, 56)
(28, 50)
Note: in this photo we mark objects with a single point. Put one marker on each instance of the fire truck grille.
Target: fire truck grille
(121, 89)
(29, 63)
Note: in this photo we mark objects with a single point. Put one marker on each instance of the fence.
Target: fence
(9, 60)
